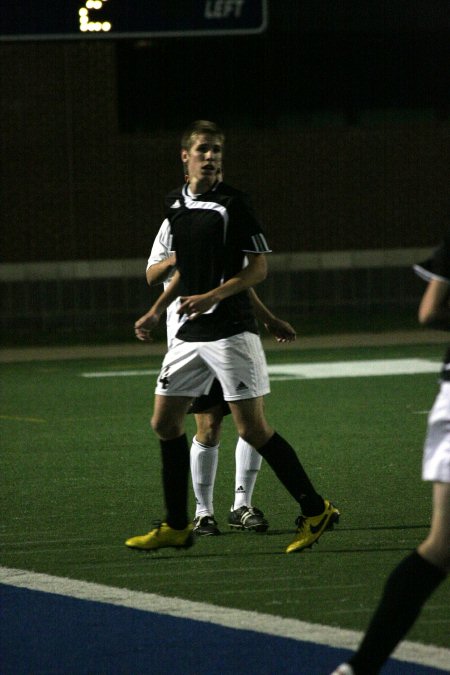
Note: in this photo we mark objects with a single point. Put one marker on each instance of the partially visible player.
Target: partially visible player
(209, 411)
(413, 581)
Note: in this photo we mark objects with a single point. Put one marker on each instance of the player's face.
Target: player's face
(203, 160)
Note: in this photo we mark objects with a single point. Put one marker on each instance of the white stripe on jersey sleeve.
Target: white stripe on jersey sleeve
(260, 245)
(426, 275)
(162, 246)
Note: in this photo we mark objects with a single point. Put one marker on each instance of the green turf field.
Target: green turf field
(81, 472)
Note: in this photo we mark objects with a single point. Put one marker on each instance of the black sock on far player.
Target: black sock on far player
(175, 476)
(284, 462)
(409, 585)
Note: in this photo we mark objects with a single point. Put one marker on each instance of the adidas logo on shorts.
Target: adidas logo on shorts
(241, 386)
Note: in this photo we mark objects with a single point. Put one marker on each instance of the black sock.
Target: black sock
(282, 459)
(175, 477)
(408, 587)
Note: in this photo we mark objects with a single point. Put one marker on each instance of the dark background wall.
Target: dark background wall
(337, 122)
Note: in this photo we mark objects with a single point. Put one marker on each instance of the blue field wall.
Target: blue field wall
(66, 636)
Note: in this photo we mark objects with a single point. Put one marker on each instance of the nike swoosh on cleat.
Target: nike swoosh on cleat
(316, 528)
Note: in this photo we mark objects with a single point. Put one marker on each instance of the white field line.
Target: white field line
(269, 624)
(313, 371)
(121, 373)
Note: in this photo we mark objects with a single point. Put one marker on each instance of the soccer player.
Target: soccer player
(214, 231)
(412, 582)
(209, 411)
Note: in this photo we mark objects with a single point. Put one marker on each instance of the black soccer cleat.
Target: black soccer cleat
(205, 526)
(248, 518)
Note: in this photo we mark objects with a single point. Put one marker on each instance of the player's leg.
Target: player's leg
(168, 424)
(209, 411)
(248, 463)
(204, 459)
(317, 514)
(243, 515)
(436, 468)
(240, 365)
(182, 377)
(424, 569)
(252, 426)
(436, 547)
(168, 416)
(399, 608)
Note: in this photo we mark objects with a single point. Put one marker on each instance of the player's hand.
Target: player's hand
(145, 325)
(282, 331)
(194, 305)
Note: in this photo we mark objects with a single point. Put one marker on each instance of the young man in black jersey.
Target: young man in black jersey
(417, 576)
(210, 409)
(220, 252)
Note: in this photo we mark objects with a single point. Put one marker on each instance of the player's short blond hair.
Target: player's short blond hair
(198, 128)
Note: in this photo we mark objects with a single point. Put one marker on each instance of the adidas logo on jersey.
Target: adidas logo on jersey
(176, 204)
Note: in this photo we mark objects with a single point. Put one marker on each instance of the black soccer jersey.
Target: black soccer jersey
(438, 265)
(211, 235)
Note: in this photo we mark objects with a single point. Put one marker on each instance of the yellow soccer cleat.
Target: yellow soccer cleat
(310, 528)
(162, 536)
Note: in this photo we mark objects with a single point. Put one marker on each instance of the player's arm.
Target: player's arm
(281, 330)
(146, 324)
(162, 261)
(253, 274)
(434, 308)
(161, 271)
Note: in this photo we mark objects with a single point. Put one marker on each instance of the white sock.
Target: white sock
(204, 459)
(248, 463)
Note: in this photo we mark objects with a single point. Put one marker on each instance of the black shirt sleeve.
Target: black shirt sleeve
(438, 265)
(247, 228)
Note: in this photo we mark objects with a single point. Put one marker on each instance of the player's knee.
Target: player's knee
(441, 559)
(209, 433)
(437, 551)
(211, 438)
(209, 425)
(254, 435)
(165, 428)
(245, 433)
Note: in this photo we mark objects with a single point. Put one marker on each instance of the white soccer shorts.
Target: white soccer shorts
(238, 362)
(436, 454)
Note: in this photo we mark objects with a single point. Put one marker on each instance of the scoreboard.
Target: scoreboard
(75, 19)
